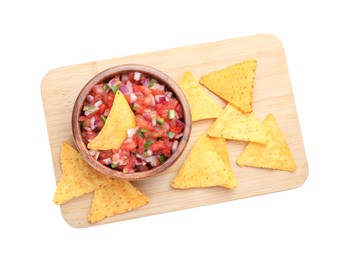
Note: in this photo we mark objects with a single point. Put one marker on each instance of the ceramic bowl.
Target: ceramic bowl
(104, 77)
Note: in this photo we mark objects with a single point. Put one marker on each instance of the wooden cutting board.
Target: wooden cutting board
(273, 94)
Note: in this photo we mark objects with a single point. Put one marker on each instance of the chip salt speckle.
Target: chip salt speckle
(77, 177)
(117, 197)
(236, 125)
(207, 165)
(275, 154)
(202, 106)
(234, 84)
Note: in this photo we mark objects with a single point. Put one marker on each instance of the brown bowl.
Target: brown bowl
(105, 76)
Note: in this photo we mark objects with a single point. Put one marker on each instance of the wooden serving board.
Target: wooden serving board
(273, 94)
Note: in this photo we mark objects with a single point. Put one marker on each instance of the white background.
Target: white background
(309, 222)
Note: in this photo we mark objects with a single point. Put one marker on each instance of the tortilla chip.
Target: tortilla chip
(236, 125)
(207, 165)
(221, 148)
(201, 104)
(117, 197)
(114, 132)
(275, 154)
(234, 84)
(77, 177)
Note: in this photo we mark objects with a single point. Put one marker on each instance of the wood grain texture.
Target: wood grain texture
(272, 94)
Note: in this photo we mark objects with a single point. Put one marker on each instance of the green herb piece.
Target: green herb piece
(170, 134)
(139, 132)
(159, 120)
(171, 114)
(143, 130)
(147, 144)
(114, 165)
(86, 108)
(105, 87)
(162, 158)
(151, 83)
(115, 88)
(135, 107)
(103, 118)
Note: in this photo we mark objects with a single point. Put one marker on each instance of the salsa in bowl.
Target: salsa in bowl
(160, 111)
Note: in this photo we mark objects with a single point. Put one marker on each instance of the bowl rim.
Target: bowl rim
(106, 75)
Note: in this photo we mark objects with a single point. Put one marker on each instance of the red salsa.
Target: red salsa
(159, 122)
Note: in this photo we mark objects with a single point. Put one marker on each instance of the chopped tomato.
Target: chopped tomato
(146, 91)
(105, 154)
(109, 99)
(155, 92)
(128, 145)
(102, 108)
(89, 135)
(143, 123)
(158, 122)
(148, 101)
(130, 164)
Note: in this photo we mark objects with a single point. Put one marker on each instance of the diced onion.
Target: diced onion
(146, 82)
(137, 76)
(133, 98)
(150, 159)
(153, 160)
(98, 103)
(130, 132)
(180, 123)
(112, 82)
(158, 86)
(93, 152)
(160, 98)
(124, 77)
(126, 88)
(152, 100)
(150, 152)
(107, 161)
(139, 156)
(167, 126)
(123, 88)
(129, 86)
(153, 122)
(106, 112)
(146, 116)
(139, 161)
(179, 135)
(89, 98)
(92, 123)
(174, 146)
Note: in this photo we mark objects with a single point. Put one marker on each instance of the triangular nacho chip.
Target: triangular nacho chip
(236, 125)
(221, 148)
(77, 176)
(202, 106)
(117, 197)
(114, 131)
(275, 154)
(205, 167)
(234, 84)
